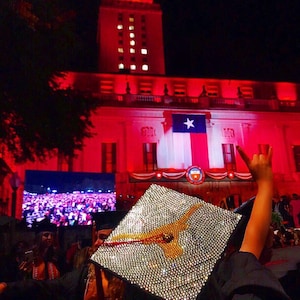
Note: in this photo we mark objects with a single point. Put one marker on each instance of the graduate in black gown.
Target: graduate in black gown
(238, 276)
(241, 275)
(75, 285)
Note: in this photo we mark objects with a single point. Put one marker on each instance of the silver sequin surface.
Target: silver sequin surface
(146, 265)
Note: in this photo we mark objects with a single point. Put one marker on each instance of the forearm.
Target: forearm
(260, 219)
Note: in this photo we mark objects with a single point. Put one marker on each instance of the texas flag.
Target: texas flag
(189, 123)
(190, 139)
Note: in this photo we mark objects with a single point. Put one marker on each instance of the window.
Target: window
(106, 86)
(131, 27)
(120, 26)
(64, 162)
(132, 67)
(212, 91)
(229, 157)
(109, 157)
(145, 67)
(179, 89)
(247, 92)
(296, 150)
(150, 156)
(120, 50)
(121, 66)
(145, 87)
(132, 50)
(132, 43)
(131, 35)
(144, 51)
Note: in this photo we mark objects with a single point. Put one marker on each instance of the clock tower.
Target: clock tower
(130, 37)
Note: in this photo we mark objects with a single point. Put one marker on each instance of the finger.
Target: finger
(270, 154)
(243, 155)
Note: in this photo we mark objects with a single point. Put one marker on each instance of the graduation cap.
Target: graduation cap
(43, 226)
(245, 208)
(168, 244)
(108, 219)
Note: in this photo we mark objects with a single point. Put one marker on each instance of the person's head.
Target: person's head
(45, 234)
(101, 236)
(284, 199)
(105, 223)
(47, 238)
(18, 250)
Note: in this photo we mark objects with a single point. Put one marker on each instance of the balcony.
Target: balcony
(136, 100)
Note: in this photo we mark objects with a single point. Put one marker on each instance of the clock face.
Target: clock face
(195, 175)
(168, 243)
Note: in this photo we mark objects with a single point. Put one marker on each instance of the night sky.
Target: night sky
(217, 39)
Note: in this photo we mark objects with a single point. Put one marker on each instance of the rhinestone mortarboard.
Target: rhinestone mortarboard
(168, 243)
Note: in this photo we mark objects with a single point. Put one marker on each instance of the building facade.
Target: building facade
(135, 126)
(139, 127)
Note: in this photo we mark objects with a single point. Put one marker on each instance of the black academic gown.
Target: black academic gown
(241, 277)
(238, 277)
(69, 286)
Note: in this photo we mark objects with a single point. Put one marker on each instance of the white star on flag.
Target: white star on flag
(189, 123)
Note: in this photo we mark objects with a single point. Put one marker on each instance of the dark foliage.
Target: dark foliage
(37, 119)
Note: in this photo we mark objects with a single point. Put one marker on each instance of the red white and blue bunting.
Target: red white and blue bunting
(177, 175)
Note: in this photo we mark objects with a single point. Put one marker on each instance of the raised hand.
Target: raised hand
(258, 226)
(260, 165)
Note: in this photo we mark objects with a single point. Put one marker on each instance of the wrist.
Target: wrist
(266, 183)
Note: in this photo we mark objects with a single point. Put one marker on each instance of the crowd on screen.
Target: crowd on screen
(66, 209)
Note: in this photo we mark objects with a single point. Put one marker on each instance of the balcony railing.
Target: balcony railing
(198, 102)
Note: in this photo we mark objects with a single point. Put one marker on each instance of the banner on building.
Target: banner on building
(190, 140)
(186, 123)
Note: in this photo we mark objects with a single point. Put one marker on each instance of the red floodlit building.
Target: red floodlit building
(147, 123)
